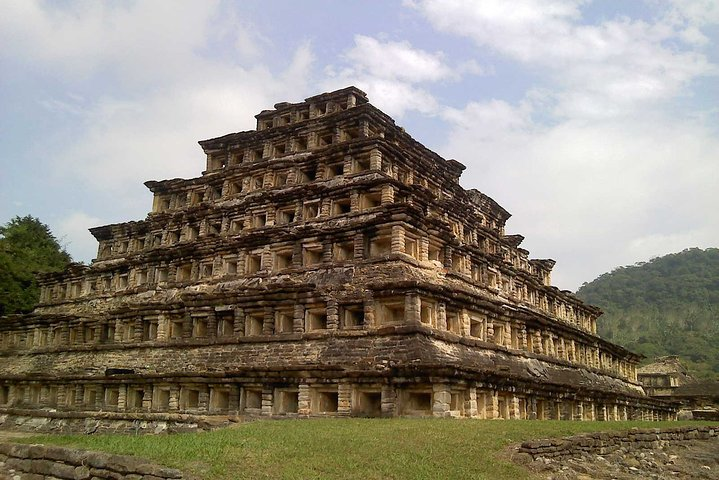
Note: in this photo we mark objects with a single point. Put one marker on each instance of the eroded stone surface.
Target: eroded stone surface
(680, 452)
(692, 460)
(40, 462)
(325, 263)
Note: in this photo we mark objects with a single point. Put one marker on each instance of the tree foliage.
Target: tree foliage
(27, 247)
(668, 306)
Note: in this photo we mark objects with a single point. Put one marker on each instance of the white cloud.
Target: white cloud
(71, 105)
(651, 246)
(72, 233)
(127, 142)
(294, 81)
(473, 68)
(520, 29)
(600, 70)
(689, 16)
(491, 119)
(396, 75)
(140, 41)
(394, 98)
(694, 12)
(602, 166)
(175, 86)
(148, 129)
(397, 61)
(592, 195)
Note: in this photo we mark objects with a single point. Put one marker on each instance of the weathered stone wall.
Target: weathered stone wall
(349, 354)
(607, 442)
(40, 462)
(326, 264)
(78, 423)
(391, 365)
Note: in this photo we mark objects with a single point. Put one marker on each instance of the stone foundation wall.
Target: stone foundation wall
(603, 443)
(357, 354)
(40, 462)
(109, 424)
(365, 373)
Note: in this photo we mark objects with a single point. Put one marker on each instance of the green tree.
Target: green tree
(667, 306)
(27, 247)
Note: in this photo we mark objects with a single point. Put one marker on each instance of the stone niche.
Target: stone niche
(323, 264)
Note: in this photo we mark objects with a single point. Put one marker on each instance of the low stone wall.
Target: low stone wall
(711, 415)
(40, 462)
(603, 443)
(109, 423)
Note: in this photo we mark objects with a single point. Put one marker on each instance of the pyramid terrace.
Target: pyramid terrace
(323, 264)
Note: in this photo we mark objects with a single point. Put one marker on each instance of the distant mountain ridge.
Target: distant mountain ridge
(667, 306)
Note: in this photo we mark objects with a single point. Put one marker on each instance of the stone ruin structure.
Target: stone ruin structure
(663, 376)
(324, 264)
(667, 378)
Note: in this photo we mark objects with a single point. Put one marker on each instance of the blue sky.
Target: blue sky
(596, 124)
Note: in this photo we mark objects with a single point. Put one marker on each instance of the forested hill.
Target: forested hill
(667, 306)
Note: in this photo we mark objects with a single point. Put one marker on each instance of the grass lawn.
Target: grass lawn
(364, 449)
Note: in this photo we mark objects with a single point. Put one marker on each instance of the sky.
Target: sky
(595, 124)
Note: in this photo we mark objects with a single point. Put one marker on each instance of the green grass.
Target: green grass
(364, 449)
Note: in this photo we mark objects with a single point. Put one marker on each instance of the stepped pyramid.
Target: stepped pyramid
(324, 264)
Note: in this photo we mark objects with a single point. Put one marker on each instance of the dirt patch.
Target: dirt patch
(6, 436)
